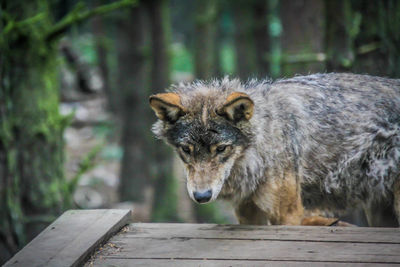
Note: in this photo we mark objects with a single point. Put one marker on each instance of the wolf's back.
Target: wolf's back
(341, 132)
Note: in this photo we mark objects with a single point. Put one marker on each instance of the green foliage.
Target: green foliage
(228, 58)
(86, 164)
(181, 60)
(81, 13)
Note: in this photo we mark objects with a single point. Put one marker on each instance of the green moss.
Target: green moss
(31, 128)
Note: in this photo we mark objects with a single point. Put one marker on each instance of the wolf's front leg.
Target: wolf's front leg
(280, 200)
(396, 204)
(248, 213)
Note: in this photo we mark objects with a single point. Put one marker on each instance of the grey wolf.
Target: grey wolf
(288, 151)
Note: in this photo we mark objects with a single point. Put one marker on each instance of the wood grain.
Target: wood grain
(243, 232)
(155, 244)
(126, 262)
(71, 238)
(270, 250)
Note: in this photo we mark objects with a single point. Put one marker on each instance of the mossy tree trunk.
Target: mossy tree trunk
(33, 190)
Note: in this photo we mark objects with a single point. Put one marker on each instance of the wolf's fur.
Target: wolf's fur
(323, 142)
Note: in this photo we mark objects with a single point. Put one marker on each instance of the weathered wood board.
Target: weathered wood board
(328, 234)
(127, 262)
(71, 238)
(237, 245)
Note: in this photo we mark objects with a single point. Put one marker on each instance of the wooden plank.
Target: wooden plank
(71, 238)
(255, 250)
(240, 245)
(243, 232)
(124, 262)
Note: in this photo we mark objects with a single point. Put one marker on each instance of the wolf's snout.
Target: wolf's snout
(202, 197)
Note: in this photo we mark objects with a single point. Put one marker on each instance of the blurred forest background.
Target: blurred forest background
(75, 77)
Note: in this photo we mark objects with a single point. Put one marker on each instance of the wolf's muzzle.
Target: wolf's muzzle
(202, 197)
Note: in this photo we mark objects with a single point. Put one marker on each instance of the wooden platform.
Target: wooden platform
(74, 239)
(234, 245)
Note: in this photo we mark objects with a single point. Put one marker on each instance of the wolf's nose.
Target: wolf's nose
(202, 197)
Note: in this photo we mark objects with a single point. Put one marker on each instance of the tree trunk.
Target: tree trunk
(338, 43)
(132, 64)
(377, 43)
(217, 67)
(33, 190)
(363, 36)
(244, 40)
(165, 199)
(251, 38)
(160, 29)
(302, 36)
(274, 33)
(206, 11)
(99, 32)
(261, 37)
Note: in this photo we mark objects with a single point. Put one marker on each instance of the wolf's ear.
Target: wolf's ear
(237, 107)
(167, 106)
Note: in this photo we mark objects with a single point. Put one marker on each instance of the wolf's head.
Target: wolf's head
(208, 129)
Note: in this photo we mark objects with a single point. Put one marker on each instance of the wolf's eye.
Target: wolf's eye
(185, 149)
(221, 148)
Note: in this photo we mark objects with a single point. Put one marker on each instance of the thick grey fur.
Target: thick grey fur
(340, 132)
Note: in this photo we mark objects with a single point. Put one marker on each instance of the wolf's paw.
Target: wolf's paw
(343, 224)
(323, 221)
